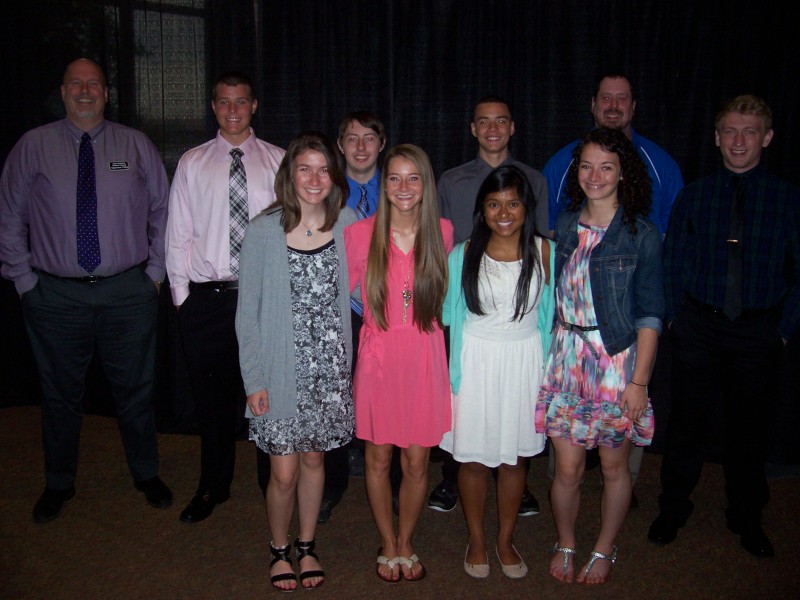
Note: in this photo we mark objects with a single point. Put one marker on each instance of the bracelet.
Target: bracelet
(644, 385)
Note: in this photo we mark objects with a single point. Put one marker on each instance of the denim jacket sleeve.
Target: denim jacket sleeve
(648, 283)
(627, 289)
(626, 277)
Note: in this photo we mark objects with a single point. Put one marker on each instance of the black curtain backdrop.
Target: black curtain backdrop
(420, 65)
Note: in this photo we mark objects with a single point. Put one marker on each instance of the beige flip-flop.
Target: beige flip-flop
(409, 563)
(389, 562)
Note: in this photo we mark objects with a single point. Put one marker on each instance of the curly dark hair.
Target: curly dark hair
(635, 188)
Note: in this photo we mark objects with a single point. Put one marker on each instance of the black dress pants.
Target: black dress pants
(337, 461)
(67, 322)
(206, 321)
(727, 365)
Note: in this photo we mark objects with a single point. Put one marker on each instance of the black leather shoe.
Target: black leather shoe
(325, 509)
(201, 507)
(664, 529)
(156, 492)
(50, 503)
(443, 498)
(753, 539)
(529, 505)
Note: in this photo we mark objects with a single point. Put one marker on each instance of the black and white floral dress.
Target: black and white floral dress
(324, 399)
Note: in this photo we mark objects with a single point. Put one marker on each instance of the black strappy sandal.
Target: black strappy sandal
(303, 550)
(284, 554)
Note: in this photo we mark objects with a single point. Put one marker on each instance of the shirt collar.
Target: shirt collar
(754, 172)
(225, 146)
(509, 159)
(371, 185)
(77, 133)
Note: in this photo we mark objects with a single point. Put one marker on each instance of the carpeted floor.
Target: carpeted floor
(109, 544)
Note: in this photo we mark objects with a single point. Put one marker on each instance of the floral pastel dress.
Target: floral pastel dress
(580, 398)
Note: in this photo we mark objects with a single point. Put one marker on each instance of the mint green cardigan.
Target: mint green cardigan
(454, 311)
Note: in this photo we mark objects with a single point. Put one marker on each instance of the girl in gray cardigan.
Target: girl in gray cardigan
(295, 348)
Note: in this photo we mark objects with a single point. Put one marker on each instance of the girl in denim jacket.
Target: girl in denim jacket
(609, 307)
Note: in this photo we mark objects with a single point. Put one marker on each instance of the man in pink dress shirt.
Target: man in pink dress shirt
(202, 266)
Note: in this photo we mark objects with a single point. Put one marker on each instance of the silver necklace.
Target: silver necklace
(309, 233)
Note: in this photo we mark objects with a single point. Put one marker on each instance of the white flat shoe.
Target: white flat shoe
(517, 571)
(476, 571)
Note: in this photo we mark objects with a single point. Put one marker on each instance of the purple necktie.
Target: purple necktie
(86, 208)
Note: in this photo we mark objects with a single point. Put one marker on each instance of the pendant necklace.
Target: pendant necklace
(408, 295)
(309, 233)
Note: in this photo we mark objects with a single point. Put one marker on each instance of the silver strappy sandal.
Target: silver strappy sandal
(566, 552)
(598, 556)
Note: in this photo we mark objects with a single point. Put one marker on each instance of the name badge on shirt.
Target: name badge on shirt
(118, 165)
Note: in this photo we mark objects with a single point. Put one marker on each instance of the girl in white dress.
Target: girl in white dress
(499, 309)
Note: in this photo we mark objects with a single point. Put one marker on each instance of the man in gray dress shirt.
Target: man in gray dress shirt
(115, 215)
(492, 126)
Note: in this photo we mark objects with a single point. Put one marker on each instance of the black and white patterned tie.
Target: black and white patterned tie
(88, 243)
(362, 208)
(237, 192)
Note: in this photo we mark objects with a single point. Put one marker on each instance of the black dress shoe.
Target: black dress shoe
(753, 539)
(201, 507)
(325, 509)
(156, 492)
(529, 505)
(50, 503)
(444, 497)
(664, 529)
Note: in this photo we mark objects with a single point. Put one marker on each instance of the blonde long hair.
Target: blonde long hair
(430, 256)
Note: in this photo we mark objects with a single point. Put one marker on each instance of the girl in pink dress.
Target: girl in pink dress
(398, 260)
